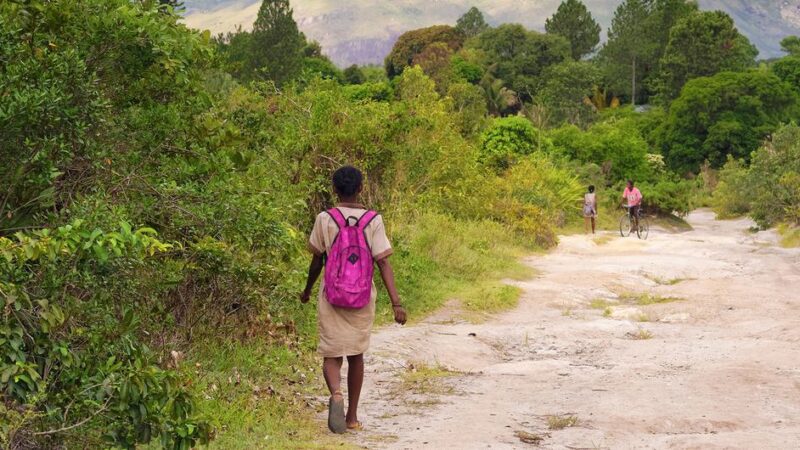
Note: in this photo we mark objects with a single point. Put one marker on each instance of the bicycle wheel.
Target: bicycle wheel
(625, 225)
(644, 228)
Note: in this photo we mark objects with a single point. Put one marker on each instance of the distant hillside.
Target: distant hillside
(363, 31)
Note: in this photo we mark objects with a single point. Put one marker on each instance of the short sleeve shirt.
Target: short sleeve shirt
(344, 331)
(633, 196)
(325, 231)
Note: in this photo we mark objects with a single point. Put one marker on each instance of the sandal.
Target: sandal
(358, 426)
(336, 420)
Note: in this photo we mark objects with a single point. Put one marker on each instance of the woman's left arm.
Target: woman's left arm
(314, 269)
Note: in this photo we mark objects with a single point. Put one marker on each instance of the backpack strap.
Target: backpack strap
(364, 222)
(366, 219)
(337, 217)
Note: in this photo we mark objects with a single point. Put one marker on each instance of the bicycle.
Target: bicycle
(626, 224)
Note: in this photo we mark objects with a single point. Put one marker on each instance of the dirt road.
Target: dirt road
(688, 340)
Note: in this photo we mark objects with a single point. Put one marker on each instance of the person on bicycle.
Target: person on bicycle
(633, 197)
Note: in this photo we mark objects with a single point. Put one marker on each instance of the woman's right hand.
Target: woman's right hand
(399, 314)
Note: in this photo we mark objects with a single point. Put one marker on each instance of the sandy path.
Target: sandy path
(722, 369)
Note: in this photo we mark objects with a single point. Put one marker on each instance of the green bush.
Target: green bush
(466, 70)
(432, 267)
(727, 114)
(667, 196)
(379, 92)
(508, 138)
(774, 178)
(731, 198)
(70, 353)
(615, 145)
(769, 190)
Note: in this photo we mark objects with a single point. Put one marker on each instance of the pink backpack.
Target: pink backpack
(349, 266)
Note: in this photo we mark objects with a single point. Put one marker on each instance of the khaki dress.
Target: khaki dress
(344, 331)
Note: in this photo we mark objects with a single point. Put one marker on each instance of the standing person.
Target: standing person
(633, 198)
(347, 241)
(589, 209)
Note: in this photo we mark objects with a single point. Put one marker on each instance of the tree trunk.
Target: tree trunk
(633, 83)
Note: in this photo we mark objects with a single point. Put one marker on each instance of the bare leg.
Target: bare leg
(586, 225)
(332, 370)
(592, 224)
(355, 379)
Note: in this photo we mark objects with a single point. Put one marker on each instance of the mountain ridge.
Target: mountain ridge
(363, 31)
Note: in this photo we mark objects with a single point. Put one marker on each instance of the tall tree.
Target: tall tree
(518, 56)
(636, 42)
(703, 44)
(627, 47)
(663, 15)
(276, 43)
(565, 88)
(472, 23)
(788, 70)
(412, 43)
(573, 21)
(175, 4)
(354, 75)
(729, 113)
(791, 45)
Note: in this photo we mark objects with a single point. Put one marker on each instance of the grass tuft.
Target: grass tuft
(789, 236)
(529, 438)
(666, 281)
(644, 298)
(600, 303)
(490, 297)
(422, 379)
(641, 335)
(603, 239)
(561, 422)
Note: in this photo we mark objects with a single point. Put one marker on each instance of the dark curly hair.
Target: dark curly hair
(347, 181)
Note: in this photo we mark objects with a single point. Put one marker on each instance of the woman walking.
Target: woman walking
(348, 241)
(589, 209)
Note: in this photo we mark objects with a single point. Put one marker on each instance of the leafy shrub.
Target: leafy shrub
(726, 114)
(468, 107)
(615, 145)
(466, 70)
(70, 355)
(769, 190)
(731, 198)
(508, 138)
(535, 197)
(432, 267)
(667, 196)
(774, 179)
(379, 92)
(788, 70)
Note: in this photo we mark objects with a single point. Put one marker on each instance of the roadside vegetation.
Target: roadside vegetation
(159, 184)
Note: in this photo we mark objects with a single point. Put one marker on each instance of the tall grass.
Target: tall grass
(438, 258)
